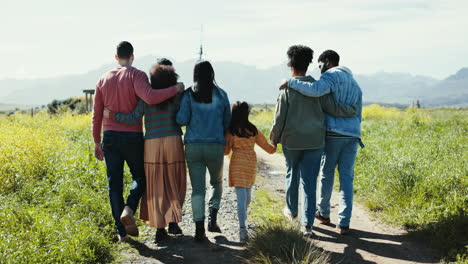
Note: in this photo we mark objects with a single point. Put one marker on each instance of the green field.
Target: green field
(413, 173)
(54, 205)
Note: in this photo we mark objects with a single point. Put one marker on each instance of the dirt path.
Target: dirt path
(221, 248)
(369, 242)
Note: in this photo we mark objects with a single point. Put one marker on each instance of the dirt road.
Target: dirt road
(369, 241)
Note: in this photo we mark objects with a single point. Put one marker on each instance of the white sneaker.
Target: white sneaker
(307, 231)
(288, 214)
(129, 222)
(243, 235)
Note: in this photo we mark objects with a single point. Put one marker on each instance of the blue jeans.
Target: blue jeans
(305, 165)
(244, 196)
(341, 152)
(120, 147)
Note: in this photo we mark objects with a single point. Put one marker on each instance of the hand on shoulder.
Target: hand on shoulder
(284, 84)
(180, 87)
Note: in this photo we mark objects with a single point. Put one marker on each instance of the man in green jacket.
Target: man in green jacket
(299, 126)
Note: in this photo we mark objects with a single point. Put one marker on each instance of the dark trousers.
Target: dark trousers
(120, 147)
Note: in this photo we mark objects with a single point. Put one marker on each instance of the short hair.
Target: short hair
(164, 61)
(124, 50)
(331, 56)
(300, 57)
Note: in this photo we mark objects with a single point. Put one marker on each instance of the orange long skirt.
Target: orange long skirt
(166, 181)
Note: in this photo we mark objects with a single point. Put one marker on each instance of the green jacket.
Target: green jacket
(300, 121)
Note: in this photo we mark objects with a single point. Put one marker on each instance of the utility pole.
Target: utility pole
(200, 54)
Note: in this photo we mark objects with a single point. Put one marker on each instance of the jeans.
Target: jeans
(305, 165)
(341, 152)
(244, 196)
(201, 156)
(120, 147)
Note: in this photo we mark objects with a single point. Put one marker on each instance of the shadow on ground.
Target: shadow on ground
(392, 247)
(183, 249)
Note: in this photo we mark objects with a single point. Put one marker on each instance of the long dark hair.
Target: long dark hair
(203, 82)
(240, 124)
(163, 76)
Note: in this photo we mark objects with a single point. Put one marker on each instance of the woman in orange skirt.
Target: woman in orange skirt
(164, 156)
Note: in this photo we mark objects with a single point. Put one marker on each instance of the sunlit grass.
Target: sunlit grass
(413, 171)
(54, 205)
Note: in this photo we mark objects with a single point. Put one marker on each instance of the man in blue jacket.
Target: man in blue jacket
(342, 136)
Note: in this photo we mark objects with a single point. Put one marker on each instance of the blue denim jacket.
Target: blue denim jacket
(338, 81)
(205, 123)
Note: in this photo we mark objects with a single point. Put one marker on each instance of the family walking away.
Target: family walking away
(317, 122)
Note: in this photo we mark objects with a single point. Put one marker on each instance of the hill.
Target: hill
(244, 82)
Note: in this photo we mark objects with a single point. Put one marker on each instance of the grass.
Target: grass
(54, 193)
(413, 172)
(264, 246)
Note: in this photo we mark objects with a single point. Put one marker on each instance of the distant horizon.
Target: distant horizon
(313, 67)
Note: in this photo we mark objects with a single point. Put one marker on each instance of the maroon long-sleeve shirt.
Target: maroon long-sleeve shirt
(119, 90)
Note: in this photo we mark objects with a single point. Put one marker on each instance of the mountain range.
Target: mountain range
(254, 85)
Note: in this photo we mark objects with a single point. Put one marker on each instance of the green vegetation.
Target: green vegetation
(54, 205)
(264, 246)
(71, 105)
(413, 172)
(262, 118)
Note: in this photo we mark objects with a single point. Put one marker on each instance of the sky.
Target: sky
(48, 38)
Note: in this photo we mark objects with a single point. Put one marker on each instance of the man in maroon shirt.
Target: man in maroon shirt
(119, 90)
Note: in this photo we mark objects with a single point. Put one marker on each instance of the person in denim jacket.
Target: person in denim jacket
(343, 134)
(206, 113)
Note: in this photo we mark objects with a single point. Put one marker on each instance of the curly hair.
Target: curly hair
(162, 77)
(300, 57)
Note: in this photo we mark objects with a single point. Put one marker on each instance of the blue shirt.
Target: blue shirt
(338, 81)
(205, 123)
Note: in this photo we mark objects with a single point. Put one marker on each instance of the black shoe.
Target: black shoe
(212, 225)
(161, 235)
(200, 231)
(174, 229)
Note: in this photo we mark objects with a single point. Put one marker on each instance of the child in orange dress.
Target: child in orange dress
(241, 138)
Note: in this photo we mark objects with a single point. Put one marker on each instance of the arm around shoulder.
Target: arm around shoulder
(149, 95)
(312, 89)
(331, 107)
